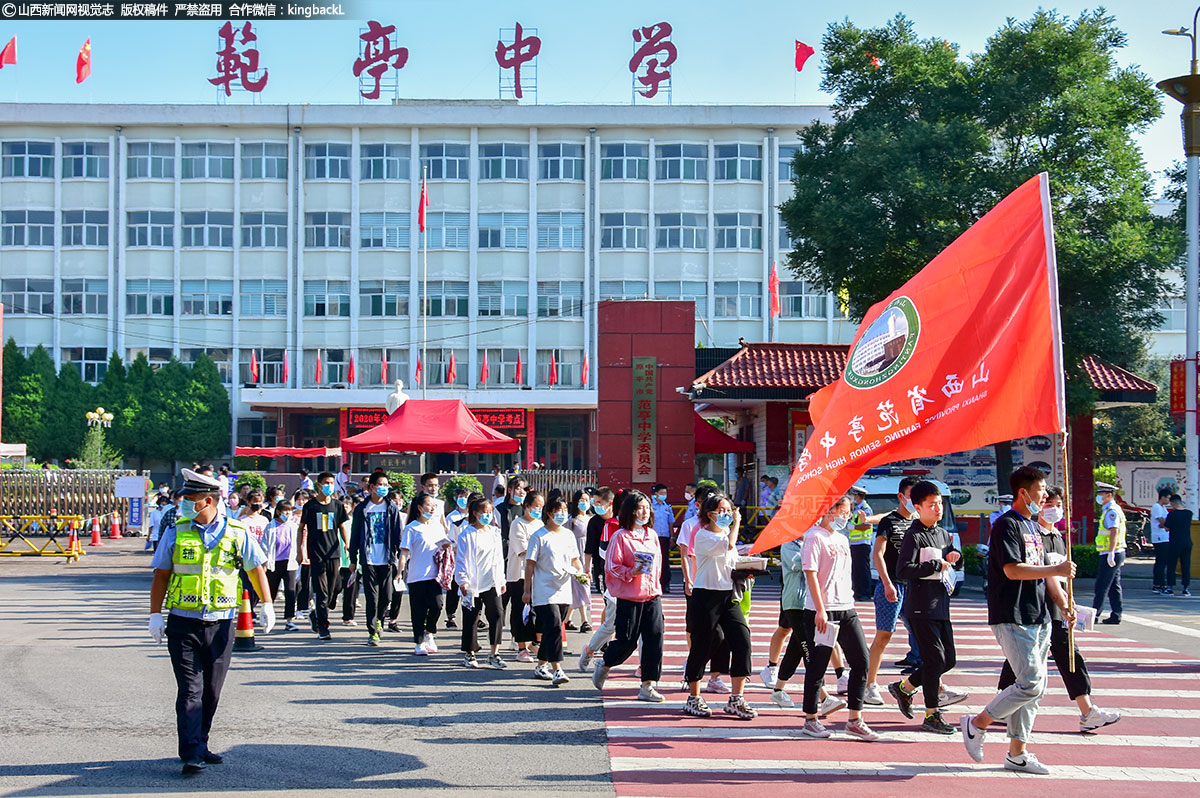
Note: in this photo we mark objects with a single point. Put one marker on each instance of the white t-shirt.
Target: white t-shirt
(687, 531)
(1158, 534)
(520, 532)
(713, 560)
(456, 519)
(422, 541)
(828, 553)
(376, 531)
(552, 553)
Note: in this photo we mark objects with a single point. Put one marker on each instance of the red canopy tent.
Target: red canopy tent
(287, 451)
(710, 440)
(431, 425)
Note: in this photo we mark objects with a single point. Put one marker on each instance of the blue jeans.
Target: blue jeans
(1108, 583)
(1025, 647)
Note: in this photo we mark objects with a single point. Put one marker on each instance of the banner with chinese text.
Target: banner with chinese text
(645, 419)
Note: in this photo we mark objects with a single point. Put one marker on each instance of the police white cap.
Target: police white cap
(198, 483)
(1005, 497)
(1105, 487)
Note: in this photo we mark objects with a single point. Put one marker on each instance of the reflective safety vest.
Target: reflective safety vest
(859, 536)
(1102, 537)
(203, 579)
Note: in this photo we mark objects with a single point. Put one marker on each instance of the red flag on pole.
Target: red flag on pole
(803, 53)
(774, 285)
(519, 377)
(917, 381)
(383, 367)
(317, 373)
(83, 62)
(417, 373)
(451, 371)
(553, 368)
(351, 377)
(253, 366)
(584, 380)
(285, 367)
(9, 54)
(421, 208)
(484, 371)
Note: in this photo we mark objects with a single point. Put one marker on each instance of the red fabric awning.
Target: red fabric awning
(710, 440)
(287, 451)
(431, 425)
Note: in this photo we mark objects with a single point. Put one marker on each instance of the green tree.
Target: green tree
(13, 370)
(212, 431)
(130, 412)
(95, 451)
(185, 415)
(25, 411)
(69, 401)
(1142, 431)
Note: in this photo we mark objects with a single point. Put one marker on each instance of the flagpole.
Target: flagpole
(424, 290)
(1067, 519)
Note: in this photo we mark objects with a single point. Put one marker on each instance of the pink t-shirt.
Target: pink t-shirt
(828, 553)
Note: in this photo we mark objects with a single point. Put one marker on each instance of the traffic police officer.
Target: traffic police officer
(1110, 548)
(1005, 500)
(196, 573)
(862, 537)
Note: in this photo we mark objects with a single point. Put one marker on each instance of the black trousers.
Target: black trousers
(348, 586)
(1108, 584)
(1180, 553)
(797, 647)
(281, 575)
(1162, 554)
(549, 622)
(638, 620)
(854, 648)
(1077, 683)
(304, 588)
(425, 607)
(200, 652)
(324, 577)
(860, 572)
(664, 545)
(708, 611)
(377, 584)
(598, 573)
(487, 602)
(521, 632)
(393, 610)
(453, 597)
(935, 640)
(719, 662)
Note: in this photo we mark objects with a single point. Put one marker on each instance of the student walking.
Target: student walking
(551, 565)
(454, 521)
(889, 590)
(580, 512)
(324, 527)
(520, 530)
(376, 529)
(479, 573)
(280, 545)
(664, 519)
(719, 662)
(421, 539)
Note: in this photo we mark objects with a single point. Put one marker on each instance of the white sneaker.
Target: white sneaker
(1097, 718)
(599, 674)
(843, 685)
(647, 693)
(542, 672)
(1027, 763)
(769, 675)
(559, 677)
(873, 696)
(948, 696)
(815, 729)
(420, 650)
(716, 685)
(585, 660)
(782, 699)
(430, 644)
(524, 656)
(830, 705)
(973, 738)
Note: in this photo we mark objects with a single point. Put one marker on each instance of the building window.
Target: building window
(502, 366)
(27, 295)
(270, 367)
(334, 365)
(206, 297)
(737, 299)
(327, 298)
(264, 229)
(384, 230)
(370, 366)
(327, 230)
(158, 356)
(446, 298)
(90, 361)
(383, 298)
(787, 153)
(149, 298)
(560, 161)
(150, 229)
(507, 298)
(503, 161)
(504, 231)
(208, 229)
(437, 369)
(85, 228)
(257, 432)
(738, 230)
(154, 160)
(681, 230)
(623, 289)
(684, 291)
(28, 159)
(786, 241)
(567, 362)
(264, 297)
(85, 297)
(384, 161)
(264, 160)
(681, 162)
(560, 230)
(220, 357)
(87, 159)
(327, 161)
(624, 161)
(446, 161)
(207, 160)
(800, 299)
(1173, 312)
(559, 299)
(738, 162)
(27, 228)
(448, 230)
(623, 230)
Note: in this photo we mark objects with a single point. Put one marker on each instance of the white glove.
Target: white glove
(268, 617)
(1112, 559)
(158, 625)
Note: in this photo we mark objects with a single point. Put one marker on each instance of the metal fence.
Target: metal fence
(566, 481)
(61, 492)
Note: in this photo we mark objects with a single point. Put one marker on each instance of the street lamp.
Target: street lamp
(99, 418)
(1186, 89)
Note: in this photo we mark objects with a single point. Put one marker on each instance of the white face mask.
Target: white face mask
(1052, 515)
(909, 508)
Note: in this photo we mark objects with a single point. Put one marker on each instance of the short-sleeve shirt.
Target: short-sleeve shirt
(828, 554)
(552, 553)
(324, 525)
(1158, 534)
(1179, 525)
(374, 517)
(250, 552)
(892, 528)
(422, 539)
(1015, 539)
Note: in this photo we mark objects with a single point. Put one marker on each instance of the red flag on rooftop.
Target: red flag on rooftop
(253, 366)
(451, 371)
(83, 62)
(966, 353)
(9, 54)
(421, 208)
(773, 284)
(803, 53)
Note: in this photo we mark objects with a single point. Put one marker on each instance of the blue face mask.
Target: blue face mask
(584, 506)
(381, 490)
(560, 518)
(724, 520)
(485, 518)
(535, 514)
(187, 508)
(426, 515)
(840, 523)
(462, 502)
(327, 490)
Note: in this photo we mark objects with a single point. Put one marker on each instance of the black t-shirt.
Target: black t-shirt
(324, 525)
(595, 530)
(1179, 523)
(892, 528)
(1015, 539)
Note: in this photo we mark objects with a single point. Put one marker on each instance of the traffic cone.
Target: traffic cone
(96, 541)
(115, 534)
(243, 636)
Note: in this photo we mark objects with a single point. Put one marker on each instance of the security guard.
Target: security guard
(862, 535)
(1005, 500)
(196, 572)
(1110, 547)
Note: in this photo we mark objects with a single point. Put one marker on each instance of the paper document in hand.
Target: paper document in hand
(932, 554)
(1085, 619)
(829, 638)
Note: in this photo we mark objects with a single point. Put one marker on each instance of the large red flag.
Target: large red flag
(451, 371)
(83, 62)
(484, 371)
(383, 367)
(9, 54)
(803, 53)
(253, 366)
(421, 208)
(317, 371)
(584, 378)
(285, 367)
(553, 368)
(519, 378)
(351, 377)
(966, 353)
(773, 284)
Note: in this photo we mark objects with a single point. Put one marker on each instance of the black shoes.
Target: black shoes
(903, 699)
(213, 759)
(193, 766)
(451, 623)
(1112, 620)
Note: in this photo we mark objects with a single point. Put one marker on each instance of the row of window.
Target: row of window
(390, 298)
(266, 160)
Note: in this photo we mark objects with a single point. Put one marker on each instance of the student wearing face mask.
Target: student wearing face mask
(376, 528)
(889, 590)
(664, 519)
(421, 539)
(324, 528)
(479, 574)
(595, 545)
(551, 564)
(687, 562)
(280, 544)
(520, 530)
(454, 520)
(580, 511)
(689, 496)
(631, 568)
(711, 607)
(253, 516)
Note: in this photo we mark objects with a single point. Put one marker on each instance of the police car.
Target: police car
(883, 484)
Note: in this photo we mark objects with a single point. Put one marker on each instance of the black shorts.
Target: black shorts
(789, 619)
